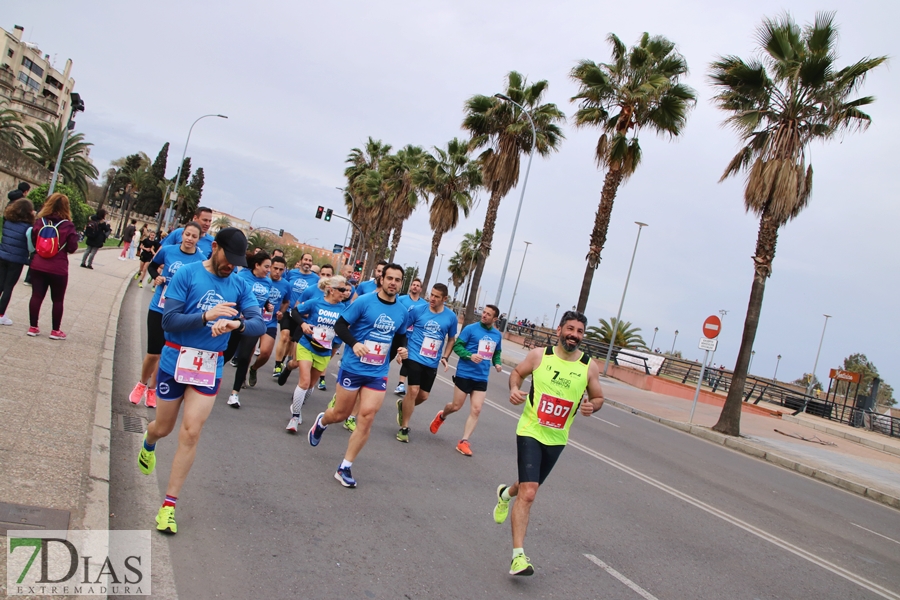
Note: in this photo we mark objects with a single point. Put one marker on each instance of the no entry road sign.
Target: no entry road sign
(712, 326)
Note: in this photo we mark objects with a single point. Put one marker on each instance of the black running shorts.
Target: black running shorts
(535, 459)
(156, 339)
(470, 385)
(419, 374)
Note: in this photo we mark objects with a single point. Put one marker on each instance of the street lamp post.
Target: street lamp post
(183, 154)
(752, 354)
(612, 340)
(775, 376)
(673, 342)
(516, 289)
(812, 376)
(555, 313)
(438, 272)
(253, 214)
(653, 341)
(512, 236)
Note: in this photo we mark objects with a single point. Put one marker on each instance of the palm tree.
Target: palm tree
(260, 239)
(451, 178)
(470, 253)
(221, 222)
(11, 130)
(46, 140)
(626, 335)
(457, 269)
(779, 105)
(364, 181)
(402, 179)
(505, 134)
(639, 89)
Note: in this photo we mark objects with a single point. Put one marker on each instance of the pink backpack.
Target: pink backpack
(47, 245)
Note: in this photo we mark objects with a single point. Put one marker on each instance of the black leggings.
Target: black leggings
(40, 282)
(535, 459)
(9, 277)
(240, 347)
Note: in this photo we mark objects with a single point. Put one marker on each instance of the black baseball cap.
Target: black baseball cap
(234, 243)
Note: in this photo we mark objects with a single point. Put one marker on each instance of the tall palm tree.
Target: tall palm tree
(627, 336)
(221, 222)
(505, 134)
(639, 89)
(457, 269)
(402, 178)
(470, 249)
(11, 130)
(46, 140)
(778, 105)
(452, 178)
(364, 181)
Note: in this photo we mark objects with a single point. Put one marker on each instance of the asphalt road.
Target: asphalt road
(633, 509)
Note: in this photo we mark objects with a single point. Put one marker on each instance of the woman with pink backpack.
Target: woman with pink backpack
(54, 237)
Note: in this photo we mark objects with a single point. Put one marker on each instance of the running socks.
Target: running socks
(518, 552)
(170, 501)
(504, 495)
(149, 447)
(346, 464)
(299, 399)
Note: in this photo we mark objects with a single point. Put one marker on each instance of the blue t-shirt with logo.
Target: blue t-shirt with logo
(408, 302)
(199, 291)
(478, 340)
(373, 322)
(172, 259)
(299, 282)
(366, 287)
(429, 330)
(260, 287)
(279, 292)
(204, 244)
(321, 316)
(310, 293)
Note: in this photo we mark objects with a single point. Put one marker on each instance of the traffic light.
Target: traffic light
(77, 102)
(281, 233)
(319, 212)
(328, 214)
(358, 267)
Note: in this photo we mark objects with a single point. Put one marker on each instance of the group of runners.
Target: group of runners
(204, 313)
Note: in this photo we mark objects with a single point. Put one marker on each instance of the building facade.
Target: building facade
(29, 81)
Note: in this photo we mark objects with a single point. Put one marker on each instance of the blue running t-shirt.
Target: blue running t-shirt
(321, 316)
(261, 288)
(373, 322)
(280, 292)
(408, 302)
(478, 340)
(429, 330)
(195, 290)
(171, 258)
(300, 281)
(204, 244)
(310, 293)
(366, 287)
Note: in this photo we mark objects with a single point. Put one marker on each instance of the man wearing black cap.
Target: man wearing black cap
(203, 304)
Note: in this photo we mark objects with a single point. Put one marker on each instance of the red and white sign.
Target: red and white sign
(712, 326)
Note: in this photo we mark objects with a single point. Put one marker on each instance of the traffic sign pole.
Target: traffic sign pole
(699, 383)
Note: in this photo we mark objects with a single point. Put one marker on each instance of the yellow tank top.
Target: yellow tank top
(557, 389)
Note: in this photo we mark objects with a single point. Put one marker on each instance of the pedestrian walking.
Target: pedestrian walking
(149, 248)
(14, 251)
(127, 238)
(95, 234)
(54, 238)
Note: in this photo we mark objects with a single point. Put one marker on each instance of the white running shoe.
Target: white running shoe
(294, 423)
(234, 401)
(4, 320)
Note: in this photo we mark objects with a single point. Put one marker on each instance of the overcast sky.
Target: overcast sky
(304, 83)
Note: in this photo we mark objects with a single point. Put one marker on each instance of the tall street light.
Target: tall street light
(516, 289)
(752, 355)
(775, 376)
(612, 340)
(673, 342)
(438, 272)
(512, 236)
(183, 154)
(655, 330)
(352, 210)
(254, 213)
(555, 313)
(812, 376)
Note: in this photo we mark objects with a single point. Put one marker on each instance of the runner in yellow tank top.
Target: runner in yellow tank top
(560, 376)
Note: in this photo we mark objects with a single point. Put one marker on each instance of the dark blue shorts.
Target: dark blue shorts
(168, 389)
(352, 381)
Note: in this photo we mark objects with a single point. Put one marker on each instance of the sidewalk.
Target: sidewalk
(863, 462)
(55, 403)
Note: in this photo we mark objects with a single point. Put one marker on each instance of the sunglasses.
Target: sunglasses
(341, 290)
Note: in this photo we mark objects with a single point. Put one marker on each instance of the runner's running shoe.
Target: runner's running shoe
(234, 401)
(251, 378)
(56, 334)
(165, 520)
(233, 362)
(141, 284)
(333, 400)
(137, 394)
(437, 422)
(151, 398)
(501, 511)
(321, 385)
(277, 370)
(4, 320)
(403, 435)
(343, 475)
(521, 566)
(400, 412)
(315, 432)
(400, 389)
(350, 424)
(284, 375)
(463, 448)
(293, 424)
(146, 458)
(33, 331)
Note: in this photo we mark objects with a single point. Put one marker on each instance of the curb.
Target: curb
(843, 434)
(96, 512)
(756, 451)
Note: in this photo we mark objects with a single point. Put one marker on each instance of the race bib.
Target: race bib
(553, 412)
(162, 297)
(486, 349)
(376, 353)
(430, 347)
(323, 336)
(267, 315)
(196, 367)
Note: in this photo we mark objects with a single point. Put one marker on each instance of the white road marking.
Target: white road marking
(635, 587)
(752, 529)
(876, 533)
(605, 421)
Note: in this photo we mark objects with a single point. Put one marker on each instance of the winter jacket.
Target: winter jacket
(96, 232)
(129, 234)
(14, 245)
(59, 264)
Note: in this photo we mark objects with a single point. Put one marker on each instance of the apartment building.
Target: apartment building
(30, 82)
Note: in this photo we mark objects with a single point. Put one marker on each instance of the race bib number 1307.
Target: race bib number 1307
(553, 412)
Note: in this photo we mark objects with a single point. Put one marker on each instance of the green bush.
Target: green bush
(81, 212)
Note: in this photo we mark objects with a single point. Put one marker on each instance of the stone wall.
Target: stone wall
(16, 167)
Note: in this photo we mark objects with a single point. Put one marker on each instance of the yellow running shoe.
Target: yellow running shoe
(350, 424)
(146, 458)
(165, 520)
(521, 566)
(501, 511)
(333, 400)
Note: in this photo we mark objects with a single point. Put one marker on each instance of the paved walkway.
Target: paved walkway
(55, 400)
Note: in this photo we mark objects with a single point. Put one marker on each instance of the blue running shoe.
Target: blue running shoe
(316, 431)
(343, 475)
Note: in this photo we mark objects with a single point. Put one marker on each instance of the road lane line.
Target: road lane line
(635, 587)
(605, 421)
(752, 529)
(876, 533)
